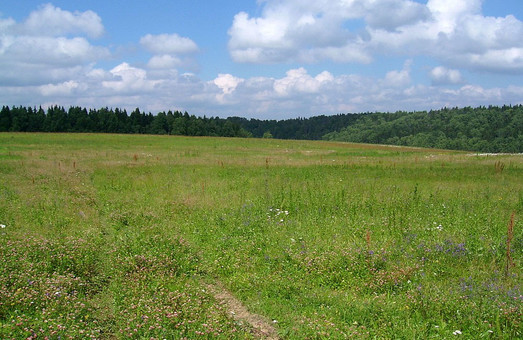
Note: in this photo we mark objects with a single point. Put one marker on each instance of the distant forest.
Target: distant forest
(105, 120)
(482, 129)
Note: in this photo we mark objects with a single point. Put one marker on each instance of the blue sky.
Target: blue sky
(269, 59)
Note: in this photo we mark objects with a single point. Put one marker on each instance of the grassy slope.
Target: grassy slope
(328, 239)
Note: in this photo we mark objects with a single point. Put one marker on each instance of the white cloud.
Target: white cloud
(38, 50)
(392, 14)
(227, 84)
(168, 44)
(443, 76)
(299, 81)
(170, 51)
(164, 61)
(129, 80)
(450, 10)
(49, 20)
(60, 64)
(296, 93)
(50, 51)
(506, 60)
(396, 78)
(6, 25)
(98, 75)
(454, 32)
(459, 36)
(299, 93)
(295, 31)
(480, 93)
(63, 89)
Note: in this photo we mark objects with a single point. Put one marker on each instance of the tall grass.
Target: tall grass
(510, 236)
(114, 236)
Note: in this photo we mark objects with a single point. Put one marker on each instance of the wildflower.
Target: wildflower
(2, 226)
(456, 332)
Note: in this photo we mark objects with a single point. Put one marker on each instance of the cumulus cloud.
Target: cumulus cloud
(62, 89)
(294, 31)
(392, 14)
(59, 64)
(170, 51)
(299, 81)
(455, 33)
(49, 20)
(171, 44)
(299, 93)
(39, 50)
(128, 80)
(227, 84)
(443, 76)
(398, 78)
(50, 51)
(296, 93)
(164, 61)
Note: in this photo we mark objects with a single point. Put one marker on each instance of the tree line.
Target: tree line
(483, 129)
(105, 120)
(313, 128)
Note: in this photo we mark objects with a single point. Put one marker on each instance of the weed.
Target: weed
(329, 240)
(510, 235)
(499, 166)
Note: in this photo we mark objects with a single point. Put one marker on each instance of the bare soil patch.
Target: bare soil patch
(261, 327)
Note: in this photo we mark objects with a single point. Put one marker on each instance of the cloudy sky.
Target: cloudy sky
(269, 59)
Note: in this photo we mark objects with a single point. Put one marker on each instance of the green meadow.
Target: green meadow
(123, 236)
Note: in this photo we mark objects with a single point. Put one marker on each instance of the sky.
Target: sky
(265, 59)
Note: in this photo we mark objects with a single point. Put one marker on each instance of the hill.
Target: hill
(485, 129)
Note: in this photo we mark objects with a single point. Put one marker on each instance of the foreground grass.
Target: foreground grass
(110, 236)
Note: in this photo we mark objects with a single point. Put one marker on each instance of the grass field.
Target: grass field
(122, 236)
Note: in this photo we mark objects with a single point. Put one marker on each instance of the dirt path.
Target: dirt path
(262, 327)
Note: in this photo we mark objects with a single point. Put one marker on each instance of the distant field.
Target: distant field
(135, 236)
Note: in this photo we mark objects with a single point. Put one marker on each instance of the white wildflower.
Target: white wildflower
(456, 332)
(2, 226)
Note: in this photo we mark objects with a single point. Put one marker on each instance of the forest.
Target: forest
(105, 120)
(482, 129)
